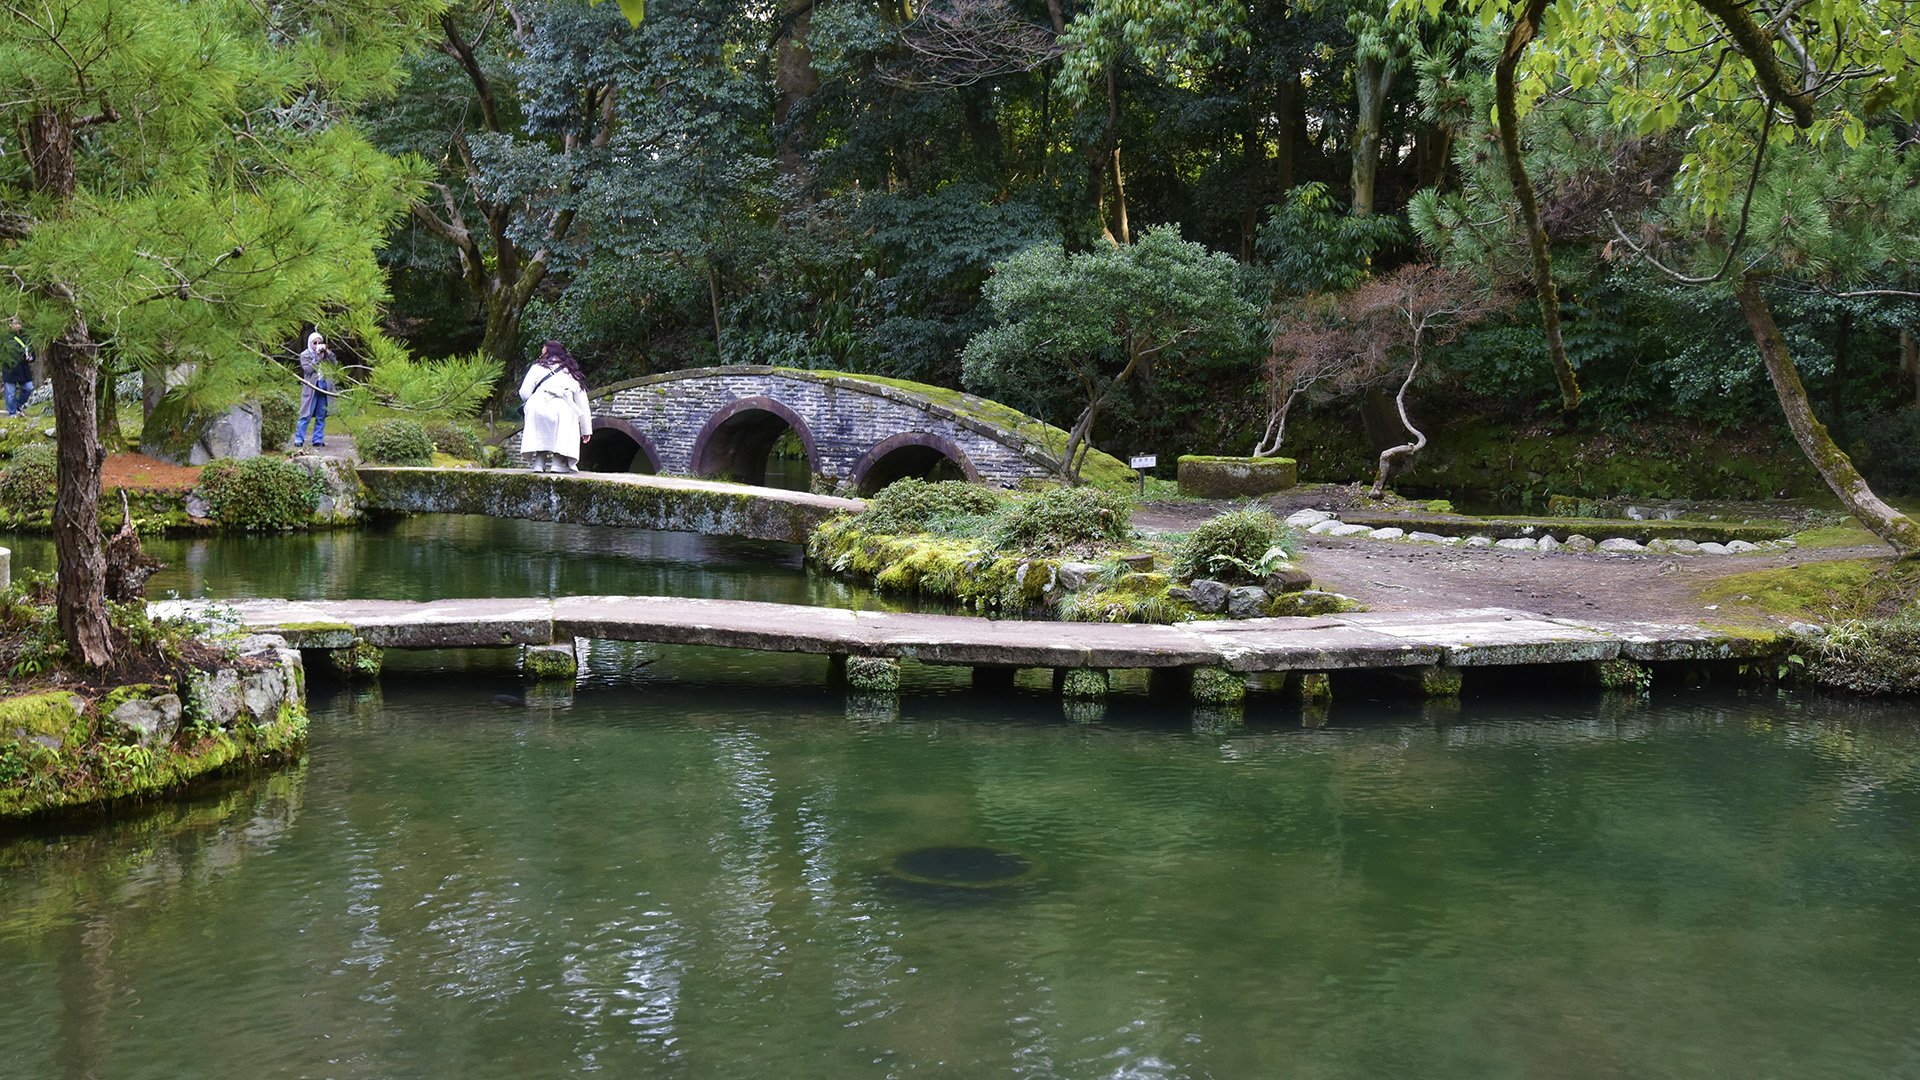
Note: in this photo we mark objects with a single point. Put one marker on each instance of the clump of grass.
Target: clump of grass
(1240, 545)
(945, 508)
(1820, 591)
(1059, 519)
(1870, 656)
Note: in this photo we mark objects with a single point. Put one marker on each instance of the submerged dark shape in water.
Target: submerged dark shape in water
(510, 700)
(969, 866)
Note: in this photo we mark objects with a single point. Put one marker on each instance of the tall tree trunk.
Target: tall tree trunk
(1837, 393)
(502, 339)
(1372, 81)
(1898, 530)
(1505, 111)
(796, 80)
(1293, 126)
(1910, 361)
(73, 365)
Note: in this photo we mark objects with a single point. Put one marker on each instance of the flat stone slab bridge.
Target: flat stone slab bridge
(1385, 641)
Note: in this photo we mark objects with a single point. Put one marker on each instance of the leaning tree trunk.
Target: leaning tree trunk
(81, 597)
(1507, 115)
(1899, 531)
(1419, 442)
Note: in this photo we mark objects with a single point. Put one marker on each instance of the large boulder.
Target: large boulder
(178, 434)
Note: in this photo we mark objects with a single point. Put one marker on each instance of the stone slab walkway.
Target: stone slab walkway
(1465, 638)
(626, 499)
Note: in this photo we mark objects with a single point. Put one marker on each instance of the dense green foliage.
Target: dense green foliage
(897, 196)
(454, 440)
(26, 481)
(279, 414)
(260, 494)
(395, 442)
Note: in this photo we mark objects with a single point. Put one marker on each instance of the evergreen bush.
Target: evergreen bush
(260, 494)
(26, 484)
(1239, 545)
(279, 412)
(395, 442)
(455, 440)
(913, 506)
(1061, 518)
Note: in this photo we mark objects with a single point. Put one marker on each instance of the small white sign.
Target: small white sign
(1146, 462)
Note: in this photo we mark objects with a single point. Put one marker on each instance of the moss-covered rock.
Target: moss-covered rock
(1203, 477)
(873, 674)
(1218, 686)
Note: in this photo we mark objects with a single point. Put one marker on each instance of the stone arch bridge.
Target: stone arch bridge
(859, 432)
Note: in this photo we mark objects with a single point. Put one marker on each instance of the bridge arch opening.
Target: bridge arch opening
(743, 442)
(916, 454)
(618, 447)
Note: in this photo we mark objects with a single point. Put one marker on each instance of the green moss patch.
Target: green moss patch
(1818, 592)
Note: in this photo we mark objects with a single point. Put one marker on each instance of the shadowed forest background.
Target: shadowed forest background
(830, 184)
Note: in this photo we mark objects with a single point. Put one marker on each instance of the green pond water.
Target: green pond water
(709, 864)
(686, 873)
(437, 556)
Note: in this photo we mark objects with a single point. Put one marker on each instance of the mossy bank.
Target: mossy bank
(67, 750)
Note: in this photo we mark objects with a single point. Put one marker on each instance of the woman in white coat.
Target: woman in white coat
(558, 421)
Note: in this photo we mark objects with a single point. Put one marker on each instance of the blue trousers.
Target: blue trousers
(319, 429)
(17, 395)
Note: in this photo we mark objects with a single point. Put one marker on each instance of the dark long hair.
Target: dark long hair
(555, 353)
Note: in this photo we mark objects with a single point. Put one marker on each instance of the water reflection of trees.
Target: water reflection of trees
(71, 894)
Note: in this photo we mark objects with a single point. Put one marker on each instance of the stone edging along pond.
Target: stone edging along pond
(1539, 534)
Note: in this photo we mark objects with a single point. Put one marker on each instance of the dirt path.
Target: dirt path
(1655, 588)
(1393, 576)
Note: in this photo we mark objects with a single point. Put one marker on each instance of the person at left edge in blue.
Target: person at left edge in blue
(16, 367)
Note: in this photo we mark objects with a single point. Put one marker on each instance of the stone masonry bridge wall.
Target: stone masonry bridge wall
(863, 433)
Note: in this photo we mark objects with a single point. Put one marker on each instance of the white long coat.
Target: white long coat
(557, 414)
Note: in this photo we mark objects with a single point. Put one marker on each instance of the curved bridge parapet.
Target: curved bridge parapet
(640, 502)
(859, 432)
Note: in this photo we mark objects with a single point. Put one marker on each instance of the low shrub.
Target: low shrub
(279, 412)
(26, 483)
(395, 442)
(1239, 545)
(455, 440)
(260, 494)
(1870, 656)
(914, 506)
(1061, 518)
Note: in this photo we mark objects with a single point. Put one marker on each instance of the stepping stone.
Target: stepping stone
(1518, 543)
(1579, 543)
(1711, 548)
(1741, 547)
(1478, 541)
(1432, 538)
(1548, 543)
(1347, 530)
(1387, 534)
(1306, 519)
(1622, 544)
(1323, 526)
